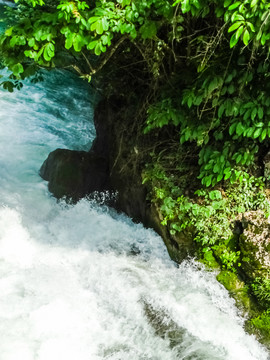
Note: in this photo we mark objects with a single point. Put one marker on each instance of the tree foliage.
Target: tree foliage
(206, 65)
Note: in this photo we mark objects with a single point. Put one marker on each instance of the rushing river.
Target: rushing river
(82, 282)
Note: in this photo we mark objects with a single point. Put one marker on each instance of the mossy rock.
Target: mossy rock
(255, 244)
(237, 289)
(208, 259)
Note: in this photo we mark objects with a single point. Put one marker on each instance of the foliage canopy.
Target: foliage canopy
(206, 65)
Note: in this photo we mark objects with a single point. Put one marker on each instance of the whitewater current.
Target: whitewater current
(80, 282)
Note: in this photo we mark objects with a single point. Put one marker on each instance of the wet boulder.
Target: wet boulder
(254, 244)
(74, 174)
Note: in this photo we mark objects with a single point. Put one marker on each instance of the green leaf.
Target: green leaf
(257, 133)
(263, 135)
(250, 25)
(208, 180)
(31, 42)
(216, 168)
(8, 31)
(69, 41)
(148, 30)
(260, 113)
(92, 45)
(253, 3)
(232, 128)
(246, 37)
(249, 132)
(220, 177)
(238, 158)
(215, 195)
(227, 3)
(235, 5)
(48, 53)
(233, 40)
(17, 69)
(228, 174)
(235, 26)
(240, 129)
(239, 32)
(254, 113)
(8, 85)
(99, 27)
(213, 85)
(263, 39)
(221, 110)
(78, 42)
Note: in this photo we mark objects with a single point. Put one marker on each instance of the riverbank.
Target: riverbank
(144, 187)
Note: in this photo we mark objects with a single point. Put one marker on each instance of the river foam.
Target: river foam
(82, 282)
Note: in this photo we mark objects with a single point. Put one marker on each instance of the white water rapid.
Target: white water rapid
(81, 282)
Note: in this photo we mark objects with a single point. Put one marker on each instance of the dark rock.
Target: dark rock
(119, 140)
(74, 174)
(115, 162)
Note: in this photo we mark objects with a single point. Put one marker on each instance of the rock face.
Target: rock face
(115, 163)
(74, 174)
(255, 244)
(118, 141)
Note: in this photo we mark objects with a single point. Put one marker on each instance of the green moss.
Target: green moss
(237, 289)
(208, 259)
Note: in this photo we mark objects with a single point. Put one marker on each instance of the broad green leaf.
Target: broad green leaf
(228, 174)
(257, 133)
(17, 69)
(99, 27)
(148, 30)
(263, 135)
(78, 42)
(250, 25)
(239, 32)
(246, 37)
(8, 31)
(254, 113)
(69, 41)
(92, 45)
(48, 52)
(232, 128)
(221, 110)
(235, 5)
(235, 26)
(240, 129)
(238, 158)
(31, 42)
(233, 40)
(253, 3)
(227, 3)
(260, 113)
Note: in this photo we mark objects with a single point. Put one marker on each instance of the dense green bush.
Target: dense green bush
(211, 213)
